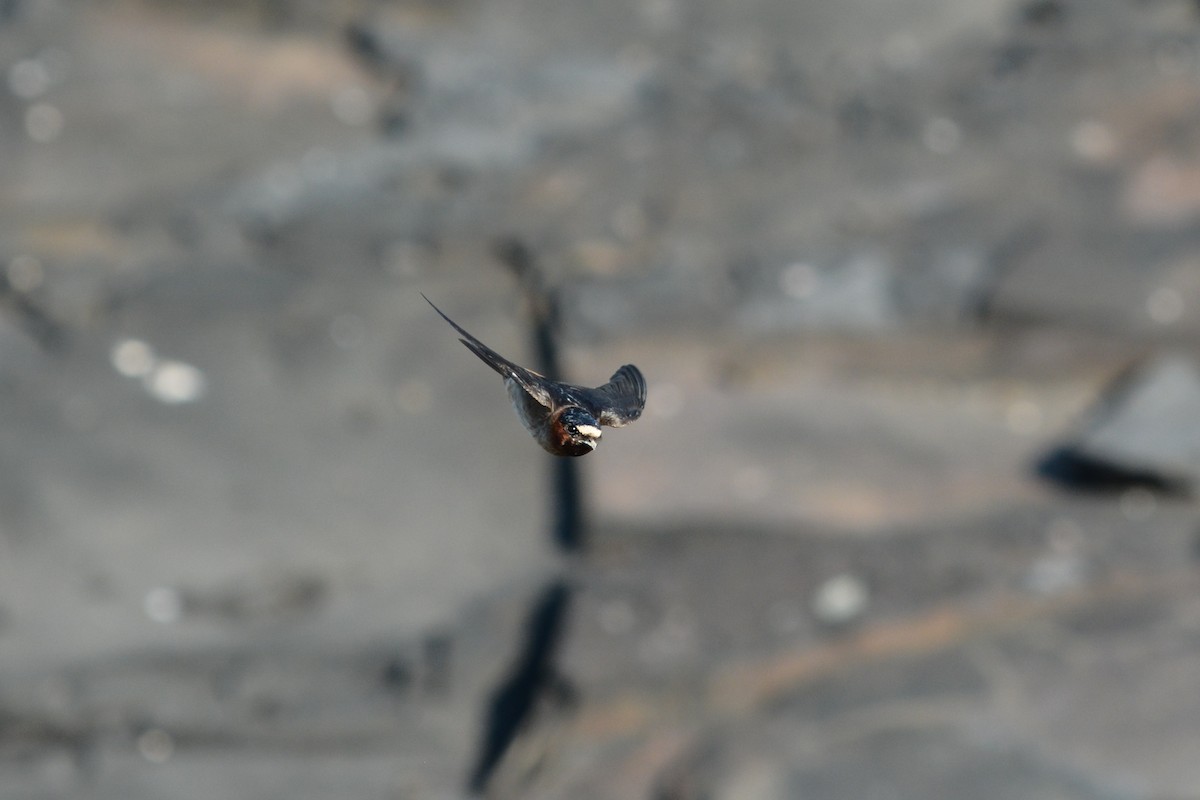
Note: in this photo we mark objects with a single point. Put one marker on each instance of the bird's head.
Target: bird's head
(578, 428)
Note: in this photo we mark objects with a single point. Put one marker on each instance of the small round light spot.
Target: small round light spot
(942, 135)
(156, 745)
(1165, 305)
(799, 280)
(841, 599)
(163, 605)
(174, 382)
(43, 122)
(133, 358)
(1056, 573)
(352, 105)
(24, 273)
(28, 78)
(1094, 141)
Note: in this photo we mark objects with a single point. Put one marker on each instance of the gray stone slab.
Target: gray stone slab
(1143, 425)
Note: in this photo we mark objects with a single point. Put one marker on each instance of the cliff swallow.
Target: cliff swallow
(563, 418)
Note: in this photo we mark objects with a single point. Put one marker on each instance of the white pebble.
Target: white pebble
(841, 599)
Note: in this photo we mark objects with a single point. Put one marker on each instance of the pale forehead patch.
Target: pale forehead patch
(590, 431)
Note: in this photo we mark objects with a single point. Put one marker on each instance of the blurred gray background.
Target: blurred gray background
(916, 288)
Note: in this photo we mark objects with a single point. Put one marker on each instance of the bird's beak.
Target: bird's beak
(591, 432)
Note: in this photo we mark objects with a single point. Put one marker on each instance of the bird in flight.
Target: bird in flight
(563, 418)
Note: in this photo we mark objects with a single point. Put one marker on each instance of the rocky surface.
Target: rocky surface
(267, 530)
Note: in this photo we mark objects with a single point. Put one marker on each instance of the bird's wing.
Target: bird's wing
(621, 400)
(533, 383)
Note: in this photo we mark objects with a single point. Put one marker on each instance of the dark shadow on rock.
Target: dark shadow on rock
(517, 256)
(569, 527)
(532, 678)
(32, 318)
(981, 303)
(534, 675)
(9, 10)
(1140, 432)
(569, 530)
(369, 46)
(1071, 469)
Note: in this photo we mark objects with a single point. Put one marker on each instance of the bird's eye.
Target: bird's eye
(572, 429)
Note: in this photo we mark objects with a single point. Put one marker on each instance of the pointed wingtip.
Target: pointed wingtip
(441, 313)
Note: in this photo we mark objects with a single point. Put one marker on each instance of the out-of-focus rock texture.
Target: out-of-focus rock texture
(910, 513)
